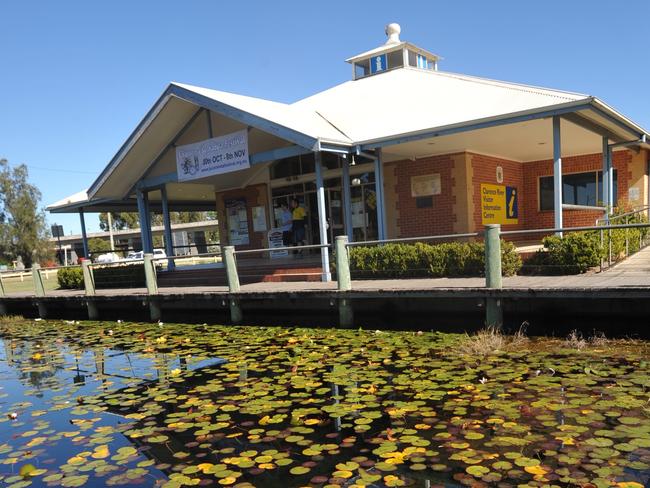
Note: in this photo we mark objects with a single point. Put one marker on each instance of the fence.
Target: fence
(121, 274)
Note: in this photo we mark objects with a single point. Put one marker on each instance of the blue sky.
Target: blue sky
(76, 77)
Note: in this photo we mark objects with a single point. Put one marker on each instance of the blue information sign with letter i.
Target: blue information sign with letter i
(378, 63)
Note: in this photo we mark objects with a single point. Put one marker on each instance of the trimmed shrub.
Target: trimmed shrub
(575, 253)
(421, 260)
(70, 278)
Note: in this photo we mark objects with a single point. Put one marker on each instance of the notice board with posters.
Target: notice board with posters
(237, 221)
(499, 204)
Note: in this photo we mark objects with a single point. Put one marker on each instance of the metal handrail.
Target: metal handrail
(284, 248)
(188, 256)
(411, 239)
(575, 229)
(645, 208)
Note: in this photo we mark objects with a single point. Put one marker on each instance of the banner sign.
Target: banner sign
(499, 204)
(214, 156)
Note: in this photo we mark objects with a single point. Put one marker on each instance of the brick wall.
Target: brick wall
(255, 195)
(438, 219)
(537, 219)
(485, 171)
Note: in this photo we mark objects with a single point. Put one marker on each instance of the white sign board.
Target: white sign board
(218, 155)
(275, 240)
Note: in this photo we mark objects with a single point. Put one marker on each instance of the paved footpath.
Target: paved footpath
(634, 272)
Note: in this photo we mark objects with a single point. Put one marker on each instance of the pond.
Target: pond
(112, 404)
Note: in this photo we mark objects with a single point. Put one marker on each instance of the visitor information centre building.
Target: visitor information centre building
(403, 149)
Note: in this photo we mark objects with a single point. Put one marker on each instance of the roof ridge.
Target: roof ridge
(540, 90)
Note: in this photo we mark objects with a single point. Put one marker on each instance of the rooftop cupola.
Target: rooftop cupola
(393, 54)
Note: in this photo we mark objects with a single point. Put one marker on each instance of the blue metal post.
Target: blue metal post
(610, 180)
(167, 223)
(84, 235)
(347, 199)
(379, 190)
(322, 217)
(557, 173)
(142, 213)
(605, 195)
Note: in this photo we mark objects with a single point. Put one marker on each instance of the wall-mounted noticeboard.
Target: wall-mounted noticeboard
(237, 222)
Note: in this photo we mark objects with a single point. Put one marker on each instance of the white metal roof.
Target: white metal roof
(409, 100)
(368, 112)
(303, 120)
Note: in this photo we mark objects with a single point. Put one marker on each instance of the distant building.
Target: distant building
(188, 239)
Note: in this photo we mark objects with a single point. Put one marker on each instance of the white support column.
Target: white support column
(557, 173)
(167, 225)
(379, 190)
(347, 199)
(322, 217)
(84, 235)
(605, 191)
(143, 208)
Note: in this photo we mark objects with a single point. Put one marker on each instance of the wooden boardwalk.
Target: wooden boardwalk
(634, 272)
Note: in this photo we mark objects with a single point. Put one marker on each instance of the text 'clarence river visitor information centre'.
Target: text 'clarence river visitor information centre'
(443, 153)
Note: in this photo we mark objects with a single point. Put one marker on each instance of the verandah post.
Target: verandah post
(493, 278)
(152, 286)
(344, 282)
(39, 289)
(236, 315)
(89, 286)
(3, 293)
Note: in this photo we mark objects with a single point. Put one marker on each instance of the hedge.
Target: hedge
(574, 253)
(577, 252)
(120, 276)
(428, 260)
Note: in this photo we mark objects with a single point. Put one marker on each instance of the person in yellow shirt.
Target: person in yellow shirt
(298, 217)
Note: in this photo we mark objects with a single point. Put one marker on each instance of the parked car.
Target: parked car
(109, 257)
(157, 253)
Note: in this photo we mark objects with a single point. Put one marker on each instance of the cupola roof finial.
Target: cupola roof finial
(392, 31)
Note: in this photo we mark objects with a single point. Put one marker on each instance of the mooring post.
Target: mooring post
(344, 282)
(152, 286)
(3, 293)
(89, 287)
(39, 289)
(493, 279)
(230, 263)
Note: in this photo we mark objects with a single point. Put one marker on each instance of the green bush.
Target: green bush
(428, 260)
(574, 253)
(70, 278)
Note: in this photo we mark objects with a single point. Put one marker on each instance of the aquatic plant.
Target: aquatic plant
(109, 404)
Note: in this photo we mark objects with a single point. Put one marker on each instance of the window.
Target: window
(302, 165)
(362, 68)
(395, 59)
(577, 189)
(421, 61)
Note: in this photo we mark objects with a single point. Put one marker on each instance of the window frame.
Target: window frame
(598, 177)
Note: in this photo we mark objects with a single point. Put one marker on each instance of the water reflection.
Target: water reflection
(138, 404)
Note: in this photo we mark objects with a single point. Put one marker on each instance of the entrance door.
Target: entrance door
(333, 214)
(364, 212)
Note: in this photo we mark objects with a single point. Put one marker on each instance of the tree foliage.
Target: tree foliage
(97, 245)
(23, 231)
(131, 220)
